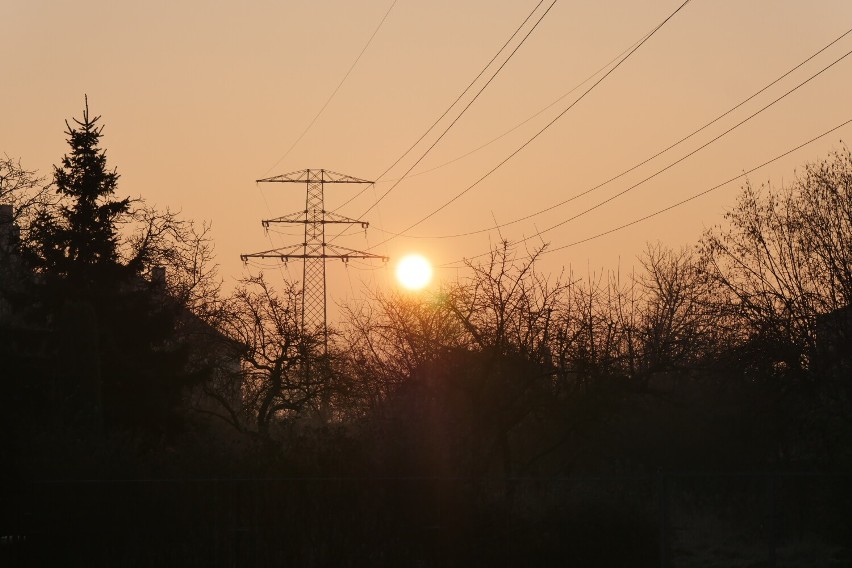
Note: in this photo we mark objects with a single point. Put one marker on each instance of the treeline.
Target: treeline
(732, 354)
(123, 359)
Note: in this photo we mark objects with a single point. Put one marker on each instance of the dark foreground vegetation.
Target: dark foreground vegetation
(694, 412)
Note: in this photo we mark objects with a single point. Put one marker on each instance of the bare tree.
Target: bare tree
(161, 239)
(387, 340)
(506, 306)
(677, 327)
(596, 331)
(26, 191)
(511, 315)
(785, 257)
(281, 375)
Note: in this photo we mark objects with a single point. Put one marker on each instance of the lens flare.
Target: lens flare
(414, 272)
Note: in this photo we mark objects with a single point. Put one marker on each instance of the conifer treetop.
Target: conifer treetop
(90, 216)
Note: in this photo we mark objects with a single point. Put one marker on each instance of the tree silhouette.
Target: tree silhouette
(113, 338)
(27, 193)
(280, 376)
(784, 258)
(83, 234)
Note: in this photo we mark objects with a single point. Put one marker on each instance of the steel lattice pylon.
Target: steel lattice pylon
(314, 250)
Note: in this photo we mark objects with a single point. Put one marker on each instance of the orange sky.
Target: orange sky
(201, 98)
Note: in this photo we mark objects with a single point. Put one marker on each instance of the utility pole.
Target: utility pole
(314, 250)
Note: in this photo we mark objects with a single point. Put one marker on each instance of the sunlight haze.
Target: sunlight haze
(200, 99)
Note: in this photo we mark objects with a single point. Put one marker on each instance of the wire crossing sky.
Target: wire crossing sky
(703, 127)
(455, 102)
(537, 134)
(334, 92)
(660, 211)
(197, 98)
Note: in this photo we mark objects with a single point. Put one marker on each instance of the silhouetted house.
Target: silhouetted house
(834, 339)
(208, 350)
(10, 268)
(9, 235)
(9, 231)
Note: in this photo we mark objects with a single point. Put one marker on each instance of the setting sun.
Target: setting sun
(414, 272)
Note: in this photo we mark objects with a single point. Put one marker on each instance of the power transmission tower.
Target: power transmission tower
(314, 250)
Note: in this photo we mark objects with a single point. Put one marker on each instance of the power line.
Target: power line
(314, 251)
(268, 237)
(690, 154)
(328, 100)
(540, 132)
(452, 105)
(702, 193)
(672, 206)
(334, 92)
(456, 119)
(525, 121)
(661, 152)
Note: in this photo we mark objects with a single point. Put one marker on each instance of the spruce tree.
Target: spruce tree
(83, 234)
(112, 332)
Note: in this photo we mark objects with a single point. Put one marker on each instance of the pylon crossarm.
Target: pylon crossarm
(346, 256)
(314, 250)
(329, 176)
(300, 176)
(324, 176)
(282, 253)
(289, 218)
(328, 218)
(331, 217)
(347, 253)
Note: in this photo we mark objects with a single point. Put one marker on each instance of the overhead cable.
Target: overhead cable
(334, 92)
(656, 155)
(537, 134)
(452, 105)
(668, 208)
(526, 120)
(693, 152)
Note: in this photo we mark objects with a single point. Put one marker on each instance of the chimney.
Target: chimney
(158, 276)
(9, 232)
(5, 214)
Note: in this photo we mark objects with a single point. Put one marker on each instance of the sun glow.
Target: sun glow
(414, 272)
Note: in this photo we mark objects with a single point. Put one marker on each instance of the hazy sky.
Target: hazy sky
(199, 99)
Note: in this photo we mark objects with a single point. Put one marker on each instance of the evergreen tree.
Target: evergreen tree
(83, 235)
(112, 333)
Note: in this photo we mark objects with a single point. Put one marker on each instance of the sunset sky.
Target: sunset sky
(199, 99)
